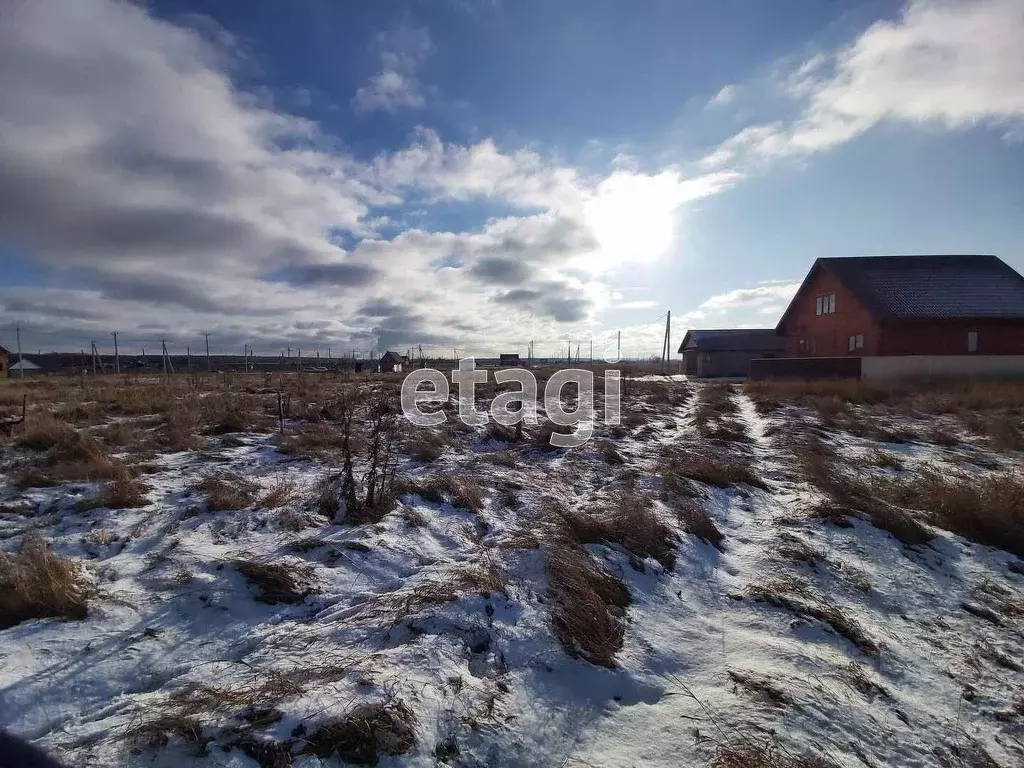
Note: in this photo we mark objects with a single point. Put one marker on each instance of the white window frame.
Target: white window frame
(972, 341)
(852, 345)
(860, 341)
(819, 305)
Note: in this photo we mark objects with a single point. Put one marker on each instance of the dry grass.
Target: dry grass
(607, 451)
(718, 468)
(426, 446)
(70, 456)
(698, 523)
(587, 606)
(275, 582)
(157, 732)
(750, 754)
(35, 584)
(43, 431)
(280, 492)
(181, 428)
(227, 492)
(542, 437)
(987, 509)
(367, 732)
(795, 595)
(627, 521)
(311, 441)
(124, 492)
(760, 687)
(458, 491)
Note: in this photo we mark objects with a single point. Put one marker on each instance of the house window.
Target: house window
(972, 341)
(825, 305)
(857, 342)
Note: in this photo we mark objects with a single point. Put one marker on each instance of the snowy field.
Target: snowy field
(784, 576)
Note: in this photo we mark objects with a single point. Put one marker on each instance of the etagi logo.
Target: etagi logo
(525, 402)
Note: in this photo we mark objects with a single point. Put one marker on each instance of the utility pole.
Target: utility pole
(117, 356)
(591, 351)
(666, 351)
(21, 360)
(94, 353)
(208, 366)
(188, 357)
(618, 350)
(163, 354)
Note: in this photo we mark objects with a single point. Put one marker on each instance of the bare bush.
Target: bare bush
(280, 492)
(42, 431)
(458, 491)
(426, 446)
(36, 584)
(124, 492)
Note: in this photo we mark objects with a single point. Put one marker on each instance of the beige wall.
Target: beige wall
(907, 366)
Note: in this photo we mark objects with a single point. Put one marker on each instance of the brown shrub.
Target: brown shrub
(36, 584)
(365, 733)
(181, 428)
(542, 438)
(280, 492)
(318, 440)
(276, 582)
(227, 491)
(582, 594)
(698, 523)
(427, 446)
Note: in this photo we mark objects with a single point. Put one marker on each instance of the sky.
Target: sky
(471, 175)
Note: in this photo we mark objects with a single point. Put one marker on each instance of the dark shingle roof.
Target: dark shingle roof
(391, 357)
(932, 286)
(745, 339)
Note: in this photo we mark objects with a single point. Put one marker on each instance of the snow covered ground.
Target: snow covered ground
(871, 653)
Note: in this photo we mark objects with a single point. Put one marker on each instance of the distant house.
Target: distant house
(23, 364)
(727, 352)
(391, 362)
(5, 357)
(511, 358)
(905, 315)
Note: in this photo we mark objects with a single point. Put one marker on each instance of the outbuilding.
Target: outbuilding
(728, 351)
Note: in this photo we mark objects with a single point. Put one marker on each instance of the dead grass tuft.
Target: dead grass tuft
(607, 451)
(698, 523)
(588, 604)
(280, 492)
(795, 595)
(276, 582)
(427, 446)
(760, 687)
(227, 491)
(43, 431)
(365, 733)
(627, 521)
(718, 468)
(457, 491)
(124, 492)
(986, 509)
(750, 754)
(157, 732)
(36, 584)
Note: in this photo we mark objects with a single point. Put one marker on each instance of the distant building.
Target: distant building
(5, 357)
(727, 352)
(15, 369)
(511, 358)
(391, 362)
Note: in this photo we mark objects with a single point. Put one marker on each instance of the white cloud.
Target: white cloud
(768, 296)
(951, 63)
(726, 95)
(639, 304)
(395, 87)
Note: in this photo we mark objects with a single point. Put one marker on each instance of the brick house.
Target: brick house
(906, 305)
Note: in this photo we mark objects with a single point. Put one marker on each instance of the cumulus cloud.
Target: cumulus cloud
(951, 63)
(395, 87)
(132, 167)
(726, 95)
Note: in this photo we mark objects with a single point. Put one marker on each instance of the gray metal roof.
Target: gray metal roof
(932, 286)
(735, 339)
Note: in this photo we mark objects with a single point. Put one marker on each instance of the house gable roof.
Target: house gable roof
(926, 287)
(4, 351)
(738, 339)
(390, 357)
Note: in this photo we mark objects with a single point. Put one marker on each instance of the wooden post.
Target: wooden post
(280, 413)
